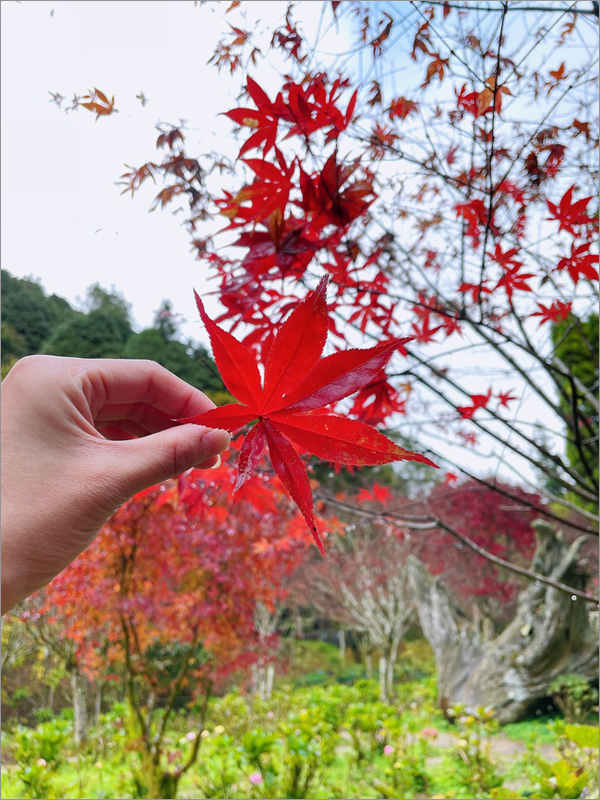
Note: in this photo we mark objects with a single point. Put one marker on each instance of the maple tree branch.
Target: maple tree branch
(530, 382)
(442, 40)
(537, 130)
(563, 370)
(577, 488)
(131, 673)
(191, 759)
(175, 687)
(528, 573)
(483, 330)
(547, 368)
(546, 512)
(489, 165)
(430, 522)
(480, 328)
(547, 9)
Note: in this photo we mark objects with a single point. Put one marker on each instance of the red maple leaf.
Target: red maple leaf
(437, 67)
(476, 289)
(264, 119)
(556, 312)
(580, 263)
(378, 493)
(99, 103)
(506, 258)
(328, 198)
(268, 193)
(475, 214)
(505, 398)
(289, 403)
(424, 333)
(513, 281)
(401, 107)
(376, 401)
(478, 400)
(469, 101)
(468, 438)
(570, 213)
(286, 245)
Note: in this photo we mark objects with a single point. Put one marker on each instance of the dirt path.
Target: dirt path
(501, 746)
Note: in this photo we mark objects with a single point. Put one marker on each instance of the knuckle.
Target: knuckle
(29, 364)
(153, 372)
(34, 366)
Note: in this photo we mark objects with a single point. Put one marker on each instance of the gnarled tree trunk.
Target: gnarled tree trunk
(550, 634)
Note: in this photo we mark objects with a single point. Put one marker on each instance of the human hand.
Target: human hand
(70, 457)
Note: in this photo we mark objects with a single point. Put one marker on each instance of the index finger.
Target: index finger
(127, 381)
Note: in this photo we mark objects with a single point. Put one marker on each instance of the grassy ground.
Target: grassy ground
(324, 724)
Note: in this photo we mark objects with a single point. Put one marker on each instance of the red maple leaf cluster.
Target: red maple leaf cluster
(307, 108)
(482, 401)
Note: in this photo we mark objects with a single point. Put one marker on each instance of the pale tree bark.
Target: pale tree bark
(552, 633)
(368, 659)
(64, 649)
(342, 644)
(96, 688)
(381, 610)
(78, 690)
(263, 672)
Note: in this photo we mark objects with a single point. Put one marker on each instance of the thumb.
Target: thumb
(160, 456)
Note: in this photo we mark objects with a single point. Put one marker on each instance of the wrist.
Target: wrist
(18, 580)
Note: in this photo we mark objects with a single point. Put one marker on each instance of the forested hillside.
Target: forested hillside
(35, 322)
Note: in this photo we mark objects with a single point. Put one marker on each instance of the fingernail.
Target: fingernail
(215, 442)
(217, 464)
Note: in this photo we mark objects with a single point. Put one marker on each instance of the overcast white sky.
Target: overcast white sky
(58, 170)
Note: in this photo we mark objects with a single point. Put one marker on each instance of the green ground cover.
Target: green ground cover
(323, 734)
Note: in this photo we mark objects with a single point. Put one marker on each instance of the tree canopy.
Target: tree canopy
(33, 322)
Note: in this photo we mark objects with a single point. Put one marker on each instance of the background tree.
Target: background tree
(460, 210)
(376, 169)
(210, 563)
(95, 335)
(363, 586)
(499, 525)
(191, 362)
(29, 316)
(550, 634)
(576, 348)
(104, 330)
(101, 333)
